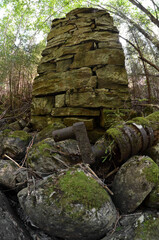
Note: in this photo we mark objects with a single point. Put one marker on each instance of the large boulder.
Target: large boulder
(133, 182)
(10, 227)
(69, 205)
(47, 157)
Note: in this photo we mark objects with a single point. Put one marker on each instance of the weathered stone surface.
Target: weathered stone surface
(111, 76)
(7, 174)
(131, 187)
(108, 44)
(11, 227)
(47, 157)
(110, 118)
(58, 21)
(141, 225)
(64, 207)
(60, 100)
(98, 56)
(42, 106)
(89, 123)
(56, 32)
(47, 131)
(104, 20)
(92, 36)
(92, 12)
(153, 153)
(58, 82)
(82, 67)
(63, 65)
(40, 122)
(59, 40)
(15, 144)
(67, 111)
(152, 199)
(46, 67)
(52, 53)
(94, 99)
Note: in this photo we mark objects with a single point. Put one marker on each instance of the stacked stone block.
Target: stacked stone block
(82, 71)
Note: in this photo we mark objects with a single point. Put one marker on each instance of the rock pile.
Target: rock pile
(56, 196)
(81, 73)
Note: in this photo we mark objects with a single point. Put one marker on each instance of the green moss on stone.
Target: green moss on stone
(152, 172)
(75, 187)
(153, 198)
(148, 229)
(24, 136)
(39, 149)
(154, 120)
(115, 132)
(78, 187)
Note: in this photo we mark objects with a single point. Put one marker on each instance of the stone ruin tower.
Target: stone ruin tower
(82, 75)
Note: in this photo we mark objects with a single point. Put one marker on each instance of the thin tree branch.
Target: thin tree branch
(143, 58)
(147, 12)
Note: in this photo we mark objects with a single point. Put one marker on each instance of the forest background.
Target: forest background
(24, 25)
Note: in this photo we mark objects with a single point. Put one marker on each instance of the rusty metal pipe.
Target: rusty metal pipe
(63, 134)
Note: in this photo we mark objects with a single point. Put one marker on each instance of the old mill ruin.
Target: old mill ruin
(81, 76)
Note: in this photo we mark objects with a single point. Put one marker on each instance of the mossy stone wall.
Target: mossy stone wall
(82, 70)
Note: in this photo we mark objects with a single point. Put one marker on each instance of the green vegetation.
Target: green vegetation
(75, 187)
(24, 136)
(140, 121)
(115, 132)
(23, 40)
(151, 172)
(39, 149)
(148, 229)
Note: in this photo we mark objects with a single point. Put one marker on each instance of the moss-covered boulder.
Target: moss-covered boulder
(47, 157)
(15, 143)
(70, 205)
(133, 182)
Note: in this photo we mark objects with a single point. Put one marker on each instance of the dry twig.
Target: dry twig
(27, 150)
(5, 155)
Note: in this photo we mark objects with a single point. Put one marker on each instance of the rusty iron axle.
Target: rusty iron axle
(130, 140)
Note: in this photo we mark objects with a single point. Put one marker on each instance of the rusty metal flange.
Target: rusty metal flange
(145, 140)
(133, 138)
(150, 134)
